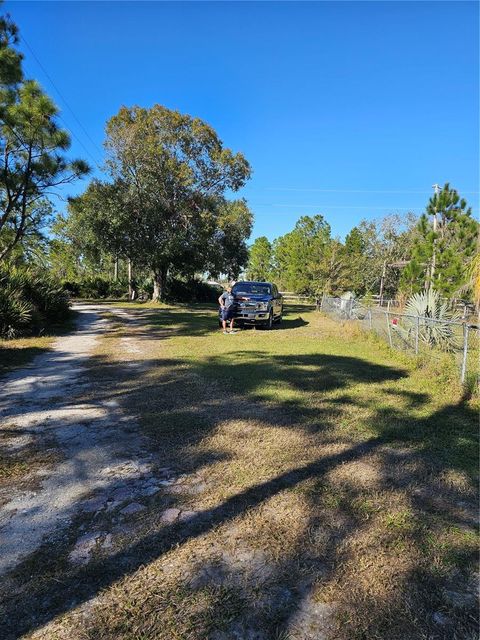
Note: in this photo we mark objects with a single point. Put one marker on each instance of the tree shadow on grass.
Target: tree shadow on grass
(420, 589)
(196, 321)
(182, 416)
(285, 324)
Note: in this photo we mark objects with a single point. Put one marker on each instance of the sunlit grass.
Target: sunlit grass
(335, 469)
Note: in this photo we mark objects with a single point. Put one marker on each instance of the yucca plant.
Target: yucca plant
(434, 319)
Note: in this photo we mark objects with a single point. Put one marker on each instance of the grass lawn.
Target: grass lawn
(332, 485)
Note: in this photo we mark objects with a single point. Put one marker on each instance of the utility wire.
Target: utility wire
(328, 206)
(356, 190)
(74, 135)
(49, 78)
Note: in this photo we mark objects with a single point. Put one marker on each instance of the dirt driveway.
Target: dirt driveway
(42, 407)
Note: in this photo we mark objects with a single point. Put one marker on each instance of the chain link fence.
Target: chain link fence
(413, 334)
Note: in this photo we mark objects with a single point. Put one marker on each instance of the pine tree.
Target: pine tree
(32, 147)
(260, 260)
(355, 260)
(298, 255)
(439, 256)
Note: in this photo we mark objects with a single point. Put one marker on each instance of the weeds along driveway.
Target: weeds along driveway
(299, 483)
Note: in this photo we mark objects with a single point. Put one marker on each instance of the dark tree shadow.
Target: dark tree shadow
(438, 443)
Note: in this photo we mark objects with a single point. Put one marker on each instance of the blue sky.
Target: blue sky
(349, 109)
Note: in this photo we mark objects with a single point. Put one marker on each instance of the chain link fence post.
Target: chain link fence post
(463, 370)
(417, 333)
(389, 329)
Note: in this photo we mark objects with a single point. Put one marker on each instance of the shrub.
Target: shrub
(434, 319)
(178, 290)
(191, 291)
(72, 289)
(47, 297)
(15, 313)
(95, 287)
(29, 302)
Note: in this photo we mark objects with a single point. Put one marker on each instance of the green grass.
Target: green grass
(333, 468)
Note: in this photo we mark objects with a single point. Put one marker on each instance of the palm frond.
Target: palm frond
(434, 320)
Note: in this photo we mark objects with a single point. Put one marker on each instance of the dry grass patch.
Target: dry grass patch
(308, 458)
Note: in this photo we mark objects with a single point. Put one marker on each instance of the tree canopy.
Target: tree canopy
(260, 262)
(439, 257)
(299, 255)
(398, 254)
(32, 147)
(165, 207)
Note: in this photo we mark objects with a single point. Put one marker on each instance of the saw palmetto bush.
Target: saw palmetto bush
(15, 313)
(47, 296)
(29, 302)
(434, 320)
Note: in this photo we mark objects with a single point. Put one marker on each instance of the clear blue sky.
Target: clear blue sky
(349, 109)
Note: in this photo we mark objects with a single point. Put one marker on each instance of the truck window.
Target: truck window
(252, 288)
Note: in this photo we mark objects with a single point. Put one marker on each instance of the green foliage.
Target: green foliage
(166, 209)
(356, 256)
(235, 221)
(192, 290)
(300, 255)
(95, 287)
(308, 260)
(32, 147)
(370, 246)
(10, 59)
(433, 326)
(439, 258)
(260, 261)
(29, 301)
(472, 275)
(15, 313)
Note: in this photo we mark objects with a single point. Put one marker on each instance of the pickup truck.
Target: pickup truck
(257, 303)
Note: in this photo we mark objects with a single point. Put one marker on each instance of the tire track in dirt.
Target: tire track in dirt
(94, 437)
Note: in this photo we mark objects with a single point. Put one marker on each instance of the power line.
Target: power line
(328, 206)
(74, 135)
(49, 78)
(426, 191)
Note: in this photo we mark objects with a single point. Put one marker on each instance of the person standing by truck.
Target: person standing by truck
(227, 304)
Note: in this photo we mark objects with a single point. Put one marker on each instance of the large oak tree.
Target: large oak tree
(172, 174)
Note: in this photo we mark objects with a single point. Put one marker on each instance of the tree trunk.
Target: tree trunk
(115, 269)
(132, 294)
(159, 280)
